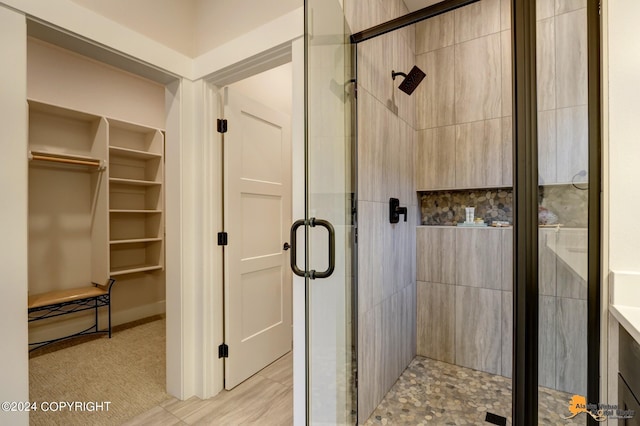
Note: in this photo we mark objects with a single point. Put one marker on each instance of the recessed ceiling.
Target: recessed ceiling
(414, 5)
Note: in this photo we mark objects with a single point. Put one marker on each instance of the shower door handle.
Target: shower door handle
(313, 222)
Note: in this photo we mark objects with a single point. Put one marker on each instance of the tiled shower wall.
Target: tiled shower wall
(464, 108)
(386, 252)
(464, 141)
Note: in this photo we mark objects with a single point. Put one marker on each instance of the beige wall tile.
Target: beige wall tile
(547, 341)
(371, 128)
(571, 58)
(378, 154)
(506, 78)
(478, 339)
(507, 259)
(435, 96)
(546, 64)
(571, 346)
(436, 255)
(363, 14)
(563, 6)
(390, 366)
(375, 63)
(370, 243)
(545, 8)
(547, 147)
(406, 169)
(370, 361)
(479, 154)
(506, 367)
(505, 14)
(409, 326)
(436, 321)
(434, 33)
(478, 79)
(436, 159)
(507, 151)
(478, 258)
(572, 142)
(477, 20)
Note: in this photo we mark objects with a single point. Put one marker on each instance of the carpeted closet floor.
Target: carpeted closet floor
(127, 370)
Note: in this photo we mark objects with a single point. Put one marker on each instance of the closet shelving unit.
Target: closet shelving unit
(96, 198)
(136, 222)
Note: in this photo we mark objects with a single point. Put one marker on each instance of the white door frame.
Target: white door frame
(212, 178)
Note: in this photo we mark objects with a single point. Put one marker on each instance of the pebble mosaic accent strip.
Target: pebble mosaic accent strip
(565, 203)
(447, 207)
(432, 392)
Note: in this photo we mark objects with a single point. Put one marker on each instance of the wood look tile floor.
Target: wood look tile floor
(264, 399)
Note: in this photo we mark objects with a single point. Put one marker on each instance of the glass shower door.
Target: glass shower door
(328, 216)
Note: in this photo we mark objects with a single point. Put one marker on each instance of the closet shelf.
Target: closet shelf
(135, 211)
(135, 240)
(134, 182)
(133, 269)
(133, 153)
(67, 159)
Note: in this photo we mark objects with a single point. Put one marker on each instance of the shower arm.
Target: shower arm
(395, 74)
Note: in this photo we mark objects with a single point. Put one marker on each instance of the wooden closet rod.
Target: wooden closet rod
(65, 160)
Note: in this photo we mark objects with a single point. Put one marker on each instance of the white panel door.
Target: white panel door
(257, 215)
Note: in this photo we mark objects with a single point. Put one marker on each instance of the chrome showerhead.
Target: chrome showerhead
(411, 81)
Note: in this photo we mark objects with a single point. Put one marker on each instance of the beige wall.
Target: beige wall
(386, 252)
(624, 151)
(218, 22)
(169, 22)
(191, 27)
(272, 88)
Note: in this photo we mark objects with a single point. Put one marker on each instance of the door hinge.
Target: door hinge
(223, 351)
(223, 238)
(222, 125)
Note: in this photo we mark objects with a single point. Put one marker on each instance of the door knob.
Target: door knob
(286, 246)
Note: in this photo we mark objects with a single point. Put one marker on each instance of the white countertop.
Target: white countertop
(625, 301)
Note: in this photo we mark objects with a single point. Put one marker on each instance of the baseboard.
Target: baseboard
(66, 325)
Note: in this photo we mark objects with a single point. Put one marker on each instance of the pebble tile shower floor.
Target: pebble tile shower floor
(432, 392)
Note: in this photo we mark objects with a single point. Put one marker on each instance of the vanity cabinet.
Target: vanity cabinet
(629, 377)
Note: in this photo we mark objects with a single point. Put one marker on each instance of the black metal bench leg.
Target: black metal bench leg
(109, 308)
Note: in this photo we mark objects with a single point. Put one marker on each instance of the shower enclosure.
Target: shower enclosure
(413, 115)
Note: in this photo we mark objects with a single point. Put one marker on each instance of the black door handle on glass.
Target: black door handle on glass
(313, 222)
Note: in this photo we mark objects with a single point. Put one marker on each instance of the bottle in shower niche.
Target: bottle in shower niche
(470, 213)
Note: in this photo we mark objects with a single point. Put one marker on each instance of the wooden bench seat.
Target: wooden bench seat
(64, 302)
(59, 296)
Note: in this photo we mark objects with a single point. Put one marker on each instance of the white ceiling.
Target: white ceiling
(414, 5)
